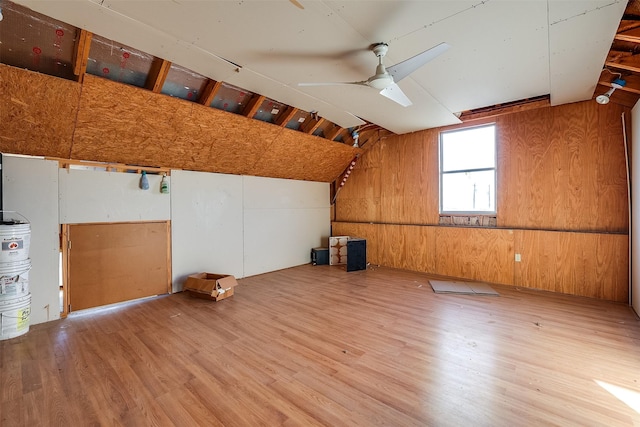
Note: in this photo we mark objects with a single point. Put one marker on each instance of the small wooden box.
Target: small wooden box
(210, 286)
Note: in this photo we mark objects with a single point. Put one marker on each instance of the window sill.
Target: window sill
(470, 220)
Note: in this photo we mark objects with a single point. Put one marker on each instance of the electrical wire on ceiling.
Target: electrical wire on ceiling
(614, 73)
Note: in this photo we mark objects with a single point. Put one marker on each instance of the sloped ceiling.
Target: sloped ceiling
(501, 51)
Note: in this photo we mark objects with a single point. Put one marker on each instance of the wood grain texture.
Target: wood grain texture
(593, 265)
(120, 123)
(585, 264)
(409, 247)
(475, 253)
(360, 196)
(37, 113)
(377, 348)
(294, 155)
(563, 168)
(469, 253)
(124, 124)
(559, 169)
(409, 180)
(116, 262)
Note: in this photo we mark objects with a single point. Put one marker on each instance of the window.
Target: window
(468, 171)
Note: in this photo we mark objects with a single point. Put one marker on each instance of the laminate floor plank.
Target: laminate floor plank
(315, 345)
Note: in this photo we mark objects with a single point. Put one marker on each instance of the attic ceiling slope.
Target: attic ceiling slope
(623, 61)
(501, 51)
(155, 130)
(576, 27)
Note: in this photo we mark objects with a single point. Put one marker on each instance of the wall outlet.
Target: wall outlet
(518, 258)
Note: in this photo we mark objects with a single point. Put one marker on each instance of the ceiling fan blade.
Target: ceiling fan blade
(363, 83)
(394, 93)
(408, 66)
(296, 4)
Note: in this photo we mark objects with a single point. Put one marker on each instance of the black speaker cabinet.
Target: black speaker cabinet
(356, 254)
(320, 256)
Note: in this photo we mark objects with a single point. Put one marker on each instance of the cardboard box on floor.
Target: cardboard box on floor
(210, 286)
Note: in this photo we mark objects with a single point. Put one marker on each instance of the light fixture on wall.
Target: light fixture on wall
(355, 135)
(604, 98)
(1, 17)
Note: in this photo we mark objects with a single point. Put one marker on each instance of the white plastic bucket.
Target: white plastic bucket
(15, 237)
(15, 315)
(14, 278)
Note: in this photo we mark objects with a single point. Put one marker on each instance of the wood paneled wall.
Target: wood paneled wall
(105, 121)
(37, 113)
(562, 205)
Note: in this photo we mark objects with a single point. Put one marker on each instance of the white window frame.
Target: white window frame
(494, 169)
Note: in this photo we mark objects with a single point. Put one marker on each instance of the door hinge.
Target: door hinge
(68, 244)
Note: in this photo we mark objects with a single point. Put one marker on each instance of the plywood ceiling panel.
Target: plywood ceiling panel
(37, 113)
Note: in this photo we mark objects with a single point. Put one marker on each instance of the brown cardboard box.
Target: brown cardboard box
(210, 286)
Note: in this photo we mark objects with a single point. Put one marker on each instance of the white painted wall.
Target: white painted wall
(89, 196)
(635, 208)
(30, 187)
(206, 225)
(244, 225)
(227, 224)
(283, 220)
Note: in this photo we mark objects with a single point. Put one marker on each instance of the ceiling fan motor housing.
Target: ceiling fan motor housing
(380, 49)
(382, 78)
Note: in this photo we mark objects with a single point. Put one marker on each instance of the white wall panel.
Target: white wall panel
(274, 193)
(281, 238)
(283, 220)
(30, 187)
(206, 225)
(88, 196)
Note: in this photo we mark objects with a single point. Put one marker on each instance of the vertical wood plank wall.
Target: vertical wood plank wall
(562, 205)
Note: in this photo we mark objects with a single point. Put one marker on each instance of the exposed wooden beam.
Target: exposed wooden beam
(633, 81)
(633, 8)
(210, 90)
(253, 105)
(629, 63)
(333, 133)
(344, 133)
(347, 139)
(285, 116)
(628, 24)
(157, 75)
(631, 35)
(498, 110)
(372, 135)
(312, 125)
(81, 54)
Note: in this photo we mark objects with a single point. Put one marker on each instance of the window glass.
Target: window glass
(468, 170)
(469, 149)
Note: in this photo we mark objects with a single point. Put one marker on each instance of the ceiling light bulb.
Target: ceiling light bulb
(604, 98)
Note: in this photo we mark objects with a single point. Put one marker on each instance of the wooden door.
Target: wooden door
(109, 263)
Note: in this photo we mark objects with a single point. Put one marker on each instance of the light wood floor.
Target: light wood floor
(319, 346)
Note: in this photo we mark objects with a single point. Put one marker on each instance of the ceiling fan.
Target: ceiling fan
(386, 79)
